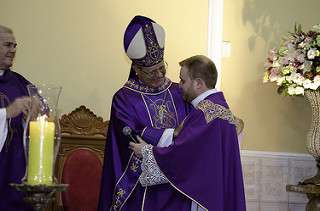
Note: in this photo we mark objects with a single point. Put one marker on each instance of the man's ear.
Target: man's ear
(198, 83)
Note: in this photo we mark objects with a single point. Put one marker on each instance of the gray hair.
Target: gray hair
(4, 29)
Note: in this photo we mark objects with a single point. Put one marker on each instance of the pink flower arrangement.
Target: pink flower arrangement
(295, 65)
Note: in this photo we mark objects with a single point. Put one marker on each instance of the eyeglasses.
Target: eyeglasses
(154, 72)
(10, 44)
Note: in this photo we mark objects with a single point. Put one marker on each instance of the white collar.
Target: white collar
(202, 96)
(1, 72)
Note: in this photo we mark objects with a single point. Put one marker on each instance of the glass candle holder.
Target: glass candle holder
(42, 134)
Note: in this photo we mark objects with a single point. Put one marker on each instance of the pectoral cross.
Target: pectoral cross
(162, 110)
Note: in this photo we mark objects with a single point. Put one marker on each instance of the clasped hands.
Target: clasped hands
(137, 147)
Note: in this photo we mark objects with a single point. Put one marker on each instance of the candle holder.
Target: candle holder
(42, 135)
(41, 141)
(39, 196)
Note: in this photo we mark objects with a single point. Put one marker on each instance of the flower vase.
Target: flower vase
(313, 136)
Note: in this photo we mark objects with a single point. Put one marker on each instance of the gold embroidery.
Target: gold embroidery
(121, 192)
(135, 86)
(212, 111)
(162, 109)
(135, 164)
(134, 167)
(154, 53)
(162, 117)
(118, 200)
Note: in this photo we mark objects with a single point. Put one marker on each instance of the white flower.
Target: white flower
(301, 45)
(314, 86)
(291, 90)
(316, 79)
(316, 83)
(297, 78)
(273, 77)
(276, 64)
(280, 80)
(294, 65)
(307, 84)
(301, 67)
(289, 78)
(299, 90)
(312, 53)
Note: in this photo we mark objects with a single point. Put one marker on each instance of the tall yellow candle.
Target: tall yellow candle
(41, 144)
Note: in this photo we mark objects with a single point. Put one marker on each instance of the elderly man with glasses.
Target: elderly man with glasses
(13, 103)
(149, 105)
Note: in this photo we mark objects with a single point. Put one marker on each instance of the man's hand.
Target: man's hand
(239, 125)
(19, 105)
(137, 147)
(178, 129)
(35, 107)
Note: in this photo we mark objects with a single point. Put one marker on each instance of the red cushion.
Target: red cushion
(82, 171)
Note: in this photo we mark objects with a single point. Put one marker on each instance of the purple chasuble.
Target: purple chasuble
(12, 160)
(147, 112)
(204, 163)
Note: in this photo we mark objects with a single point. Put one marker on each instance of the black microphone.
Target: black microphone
(127, 131)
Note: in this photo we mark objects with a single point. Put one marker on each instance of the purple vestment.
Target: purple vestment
(12, 159)
(204, 163)
(148, 112)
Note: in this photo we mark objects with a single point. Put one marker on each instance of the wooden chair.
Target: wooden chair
(79, 162)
